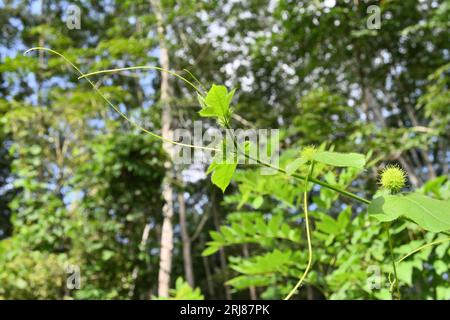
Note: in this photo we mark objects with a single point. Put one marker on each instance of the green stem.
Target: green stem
(300, 177)
(319, 182)
(308, 236)
(423, 247)
(393, 263)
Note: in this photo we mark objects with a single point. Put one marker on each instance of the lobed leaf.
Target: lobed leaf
(337, 159)
(216, 104)
(430, 214)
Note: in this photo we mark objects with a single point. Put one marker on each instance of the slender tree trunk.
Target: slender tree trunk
(443, 157)
(135, 272)
(309, 293)
(209, 279)
(222, 256)
(165, 262)
(187, 258)
(246, 254)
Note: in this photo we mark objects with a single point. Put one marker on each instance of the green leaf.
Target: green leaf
(270, 262)
(442, 293)
(228, 233)
(275, 224)
(257, 202)
(216, 104)
(440, 266)
(182, 291)
(294, 165)
(442, 249)
(216, 236)
(245, 281)
(21, 284)
(328, 225)
(223, 166)
(405, 272)
(222, 174)
(344, 217)
(107, 254)
(431, 214)
(212, 248)
(337, 159)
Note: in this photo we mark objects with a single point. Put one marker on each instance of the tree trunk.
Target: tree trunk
(165, 262)
(222, 255)
(135, 273)
(187, 258)
(252, 289)
(209, 279)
